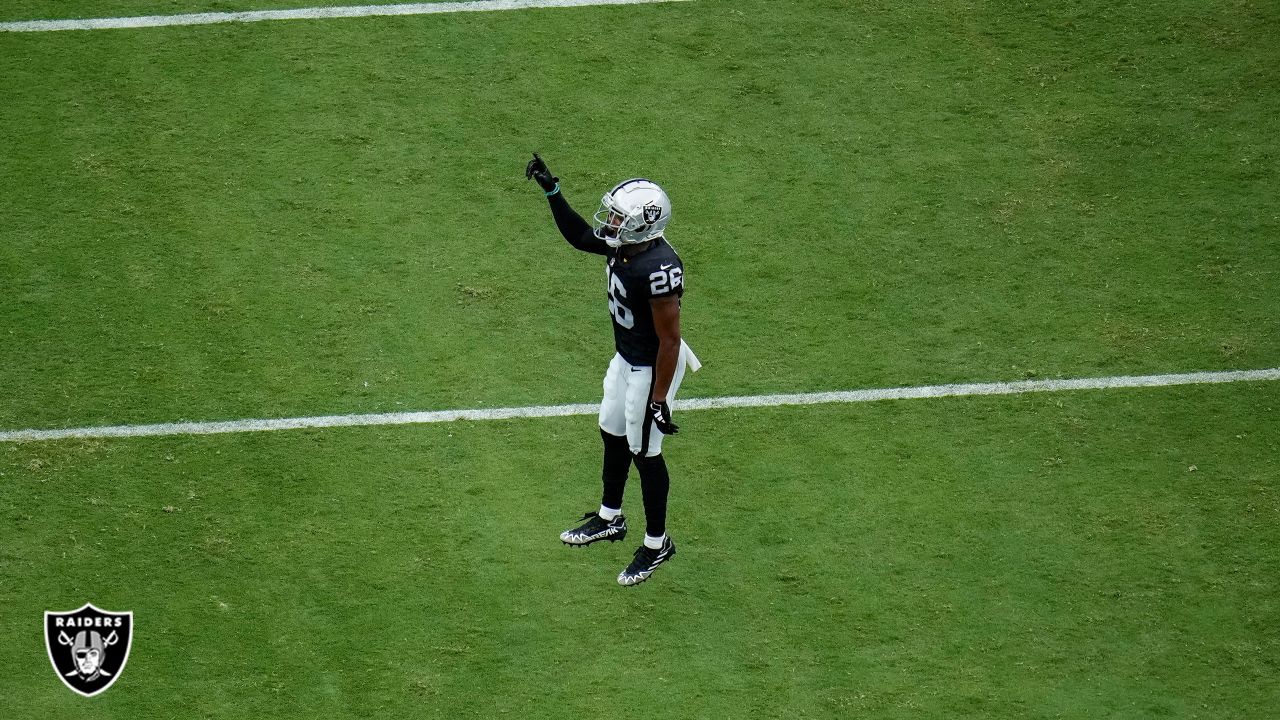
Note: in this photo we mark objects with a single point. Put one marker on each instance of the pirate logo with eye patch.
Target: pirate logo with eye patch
(88, 647)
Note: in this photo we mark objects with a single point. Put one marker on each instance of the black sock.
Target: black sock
(617, 463)
(654, 483)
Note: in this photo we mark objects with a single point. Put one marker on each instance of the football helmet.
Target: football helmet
(634, 211)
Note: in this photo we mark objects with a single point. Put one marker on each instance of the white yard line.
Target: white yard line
(543, 411)
(312, 13)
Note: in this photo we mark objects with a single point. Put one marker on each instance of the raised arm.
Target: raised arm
(571, 225)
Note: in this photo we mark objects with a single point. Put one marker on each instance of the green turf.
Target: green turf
(297, 218)
(1049, 556)
(17, 10)
(259, 220)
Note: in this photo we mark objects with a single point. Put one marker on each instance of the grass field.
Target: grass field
(314, 217)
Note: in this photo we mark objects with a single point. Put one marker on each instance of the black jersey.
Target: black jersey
(630, 283)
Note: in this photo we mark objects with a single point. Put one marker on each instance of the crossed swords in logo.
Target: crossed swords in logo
(86, 647)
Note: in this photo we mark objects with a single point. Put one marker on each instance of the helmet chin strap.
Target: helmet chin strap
(639, 247)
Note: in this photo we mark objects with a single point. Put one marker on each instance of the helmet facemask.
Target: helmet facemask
(633, 212)
(617, 227)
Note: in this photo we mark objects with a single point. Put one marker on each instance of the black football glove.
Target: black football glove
(537, 169)
(661, 415)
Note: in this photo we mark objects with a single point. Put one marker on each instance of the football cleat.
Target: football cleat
(595, 529)
(645, 562)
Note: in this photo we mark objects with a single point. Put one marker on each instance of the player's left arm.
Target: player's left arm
(666, 322)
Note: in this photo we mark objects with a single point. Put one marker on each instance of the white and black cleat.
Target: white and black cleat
(595, 529)
(645, 562)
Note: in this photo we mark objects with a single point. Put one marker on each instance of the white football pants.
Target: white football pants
(624, 410)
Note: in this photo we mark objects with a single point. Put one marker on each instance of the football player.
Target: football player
(644, 281)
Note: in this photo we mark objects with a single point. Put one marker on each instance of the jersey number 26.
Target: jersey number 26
(617, 308)
(664, 281)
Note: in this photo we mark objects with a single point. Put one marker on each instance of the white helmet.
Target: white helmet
(634, 211)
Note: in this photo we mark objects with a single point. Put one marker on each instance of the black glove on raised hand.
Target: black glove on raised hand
(661, 415)
(537, 169)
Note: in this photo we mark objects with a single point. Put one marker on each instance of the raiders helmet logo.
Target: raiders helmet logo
(652, 213)
(88, 647)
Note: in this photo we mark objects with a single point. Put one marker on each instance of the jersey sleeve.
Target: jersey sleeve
(665, 278)
(574, 228)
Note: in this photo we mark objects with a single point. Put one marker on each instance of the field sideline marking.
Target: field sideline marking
(312, 13)
(544, 411)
